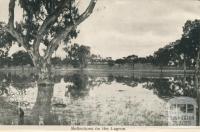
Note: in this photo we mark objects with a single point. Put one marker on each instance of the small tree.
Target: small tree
(4, 57)
(162, 57)
(56, 61)
(21, 58)
(78, 55)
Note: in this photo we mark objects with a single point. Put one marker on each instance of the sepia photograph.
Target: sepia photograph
(99, 64)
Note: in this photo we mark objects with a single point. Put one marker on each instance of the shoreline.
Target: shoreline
(29, 69)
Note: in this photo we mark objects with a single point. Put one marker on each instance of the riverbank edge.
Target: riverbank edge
(10, 69)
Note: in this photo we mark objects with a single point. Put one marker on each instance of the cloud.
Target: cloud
(124, 27)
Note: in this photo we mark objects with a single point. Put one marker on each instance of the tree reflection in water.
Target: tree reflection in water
(171, 87)
(78, 88)
(4, 83)
(42, 107)
(45, 111)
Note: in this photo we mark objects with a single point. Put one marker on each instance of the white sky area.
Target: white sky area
(118, 28)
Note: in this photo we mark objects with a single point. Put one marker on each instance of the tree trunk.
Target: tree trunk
(43, 68)
(184, 65)
(41, 109)
(198, 98)
(197, 63)
(197, 86)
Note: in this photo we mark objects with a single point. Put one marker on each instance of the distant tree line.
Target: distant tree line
(78, 56)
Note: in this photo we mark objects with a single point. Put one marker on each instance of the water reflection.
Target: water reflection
(172, 86)
(92, 99)
(42, 107)
(78, 87)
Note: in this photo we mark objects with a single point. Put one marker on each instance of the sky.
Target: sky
(119, 28)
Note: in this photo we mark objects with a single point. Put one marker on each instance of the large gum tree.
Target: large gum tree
(45, 22)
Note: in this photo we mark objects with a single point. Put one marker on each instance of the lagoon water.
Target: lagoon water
(96, 98)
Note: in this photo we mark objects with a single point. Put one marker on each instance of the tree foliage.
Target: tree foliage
(21, 58)
(78, 55)
(45, 22)
(183, 51)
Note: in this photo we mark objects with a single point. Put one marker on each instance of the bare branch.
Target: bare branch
(56, 41)
(86, 13)
(49, 21)
(11, 13)
(11, 30)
